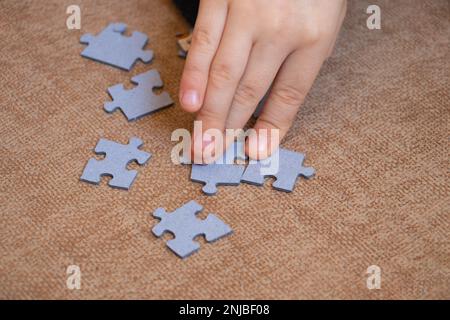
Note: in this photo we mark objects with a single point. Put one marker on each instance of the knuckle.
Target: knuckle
(206, 114)
(246, 94)
(221, 73)
(202, 38)
(275, 28)
(193, 70)
(210, 117)
(275, 124)
(311, 33)
(289, 95)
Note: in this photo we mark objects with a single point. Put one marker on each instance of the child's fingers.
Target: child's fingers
(262, 67)
(205, 41)
(290, 87)
(224, 75)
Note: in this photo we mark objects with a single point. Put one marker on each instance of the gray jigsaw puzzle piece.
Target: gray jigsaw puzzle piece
(110, 46)
(117, 157)
(221, 172)
(289, 169)
(185, 227)
(141, 100)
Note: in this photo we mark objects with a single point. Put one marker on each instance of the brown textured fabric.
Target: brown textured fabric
(375, 127)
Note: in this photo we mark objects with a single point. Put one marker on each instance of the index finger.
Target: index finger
(205, 41)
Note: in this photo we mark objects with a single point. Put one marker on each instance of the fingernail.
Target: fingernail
(190, 98)
(262, 144)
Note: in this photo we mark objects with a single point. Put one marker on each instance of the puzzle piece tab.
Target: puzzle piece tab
(110, 46)
(141, 100)
(290, 167)
(185, 226)
(221, 172)
(117, 157)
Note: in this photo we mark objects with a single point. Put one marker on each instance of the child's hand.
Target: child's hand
(239, 47)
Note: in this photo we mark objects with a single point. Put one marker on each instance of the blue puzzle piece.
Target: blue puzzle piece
(110, 46)
(141, 100)
(185, 226)
(287, 169)
(117, 157)
(221, 172)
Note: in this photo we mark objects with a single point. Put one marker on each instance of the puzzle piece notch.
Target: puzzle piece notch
(185, 227)
(110, 46)
(290, 168)
(117, 157)
(221, 172)
(141, 100)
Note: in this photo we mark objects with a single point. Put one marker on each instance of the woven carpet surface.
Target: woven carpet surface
(375, 126)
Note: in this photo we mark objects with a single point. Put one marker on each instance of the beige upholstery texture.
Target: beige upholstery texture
(375, 126)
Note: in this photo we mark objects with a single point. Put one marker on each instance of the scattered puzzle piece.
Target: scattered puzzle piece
(184, 225)
(110, 46)
(289, 169)
(141, 100)
(117, 157)
(221, 172)
(184, 44)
